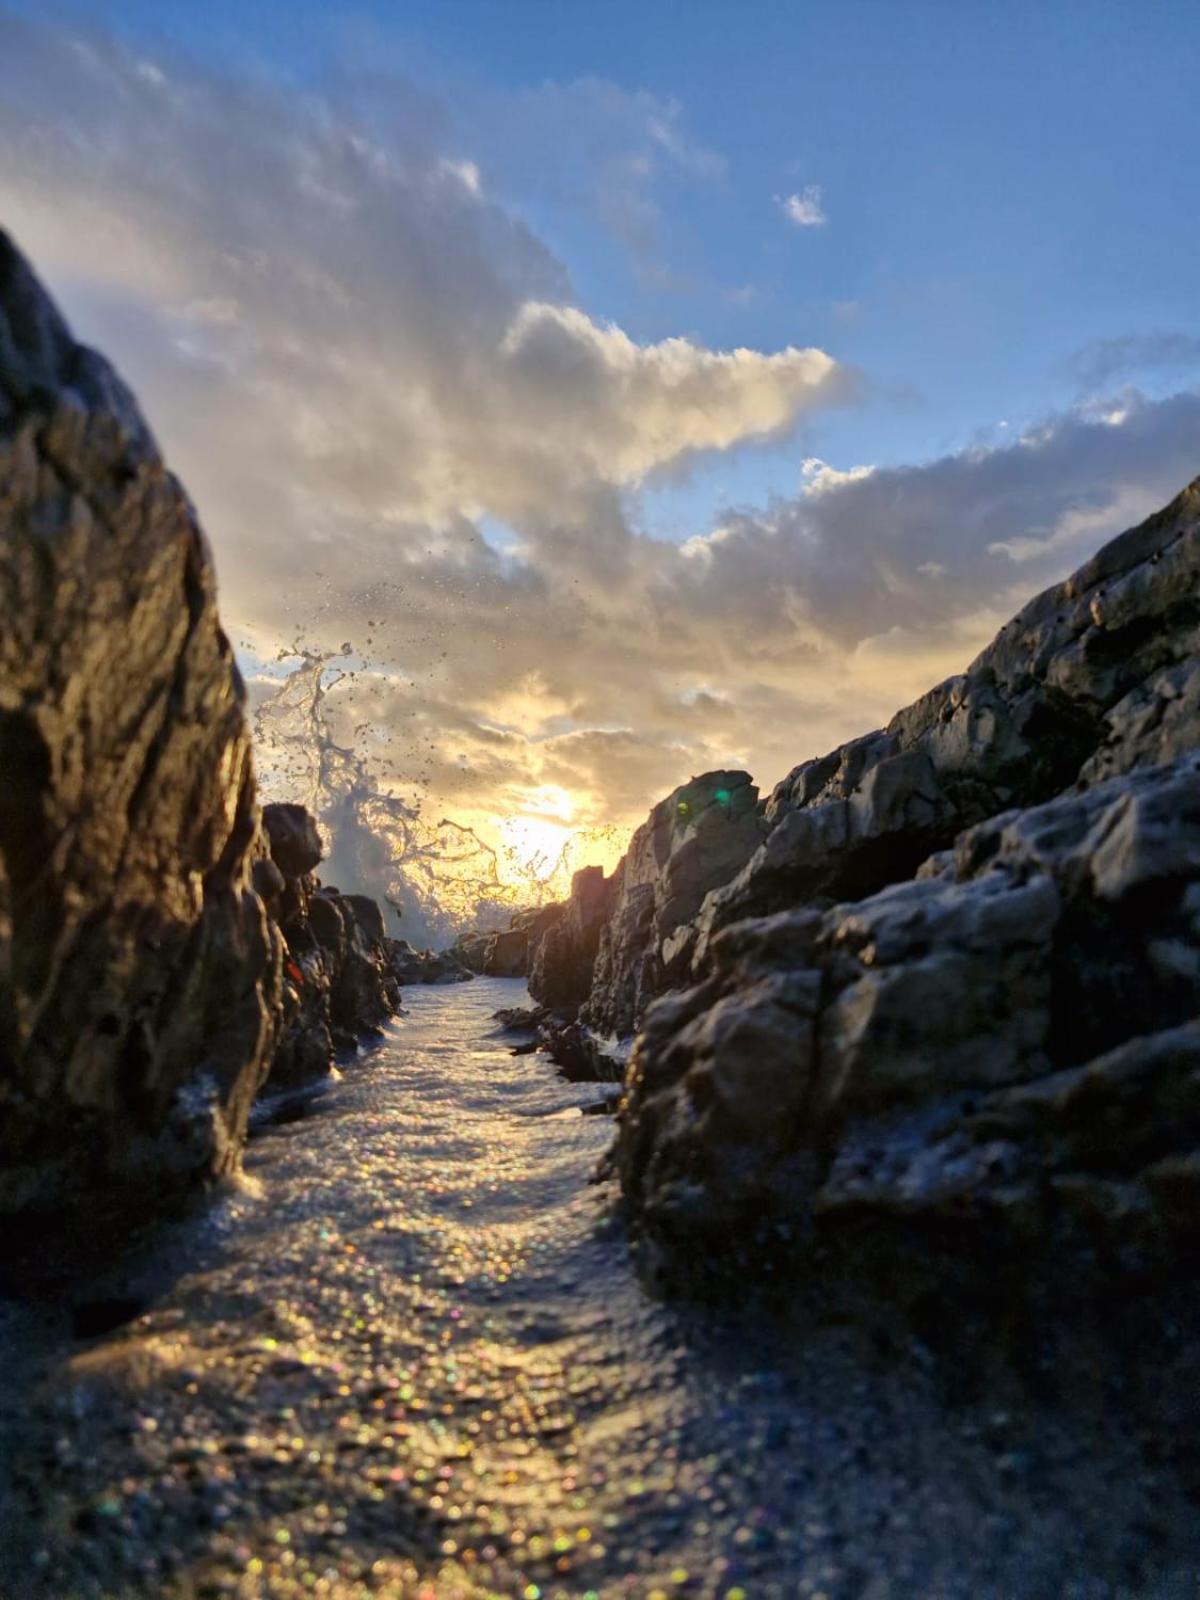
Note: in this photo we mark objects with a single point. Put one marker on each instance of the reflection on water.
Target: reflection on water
(412, 1360)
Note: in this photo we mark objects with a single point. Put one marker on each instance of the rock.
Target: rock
(578, 1054)
(510, 952)
(425, 966)
(139, 973)
(561, 973)
(1095, 676)
(294, 840)
(364, 991)
(976, 1047)
(472, 949)
(953, 993)
(368, 914)
(340, 977)
(694, 840)
(507, 954)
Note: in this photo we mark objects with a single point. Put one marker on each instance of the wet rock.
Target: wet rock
(561, 973)
(1001, 1047)
(139, 972)
(340, 979)
(471, 950)
(409, 965)
(510, 952)
(364, 992)
(694, 840)
(294, 840)
(952, 995)
(507, 954)
(1096, 676)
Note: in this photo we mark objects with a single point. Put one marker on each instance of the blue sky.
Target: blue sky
(507, 339)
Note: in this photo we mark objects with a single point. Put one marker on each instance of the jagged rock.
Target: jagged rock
(997, 1058)
(510, 952)
(1095, 676)
(364, 992)
(561, 973)
(139, 973)
(578, 1054)
(621, 940)
(340, 980)
(425, 966)
(471, 949)
(958, 1047)
(295, 843)
(507, 954)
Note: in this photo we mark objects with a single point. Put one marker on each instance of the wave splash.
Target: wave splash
(440, 878)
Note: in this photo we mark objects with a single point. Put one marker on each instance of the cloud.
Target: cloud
(360, 357)
(805, 209)
(1102, 362)
(344, 338)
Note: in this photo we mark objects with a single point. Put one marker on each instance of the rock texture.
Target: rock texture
(510, 952)
(560, 973)
(340, 977)
(410, 965)
(139, 973)
(1095, 676)
(620, 941)
(1000, 1055)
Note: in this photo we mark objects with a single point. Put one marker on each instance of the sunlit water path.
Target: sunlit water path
(415, 1360)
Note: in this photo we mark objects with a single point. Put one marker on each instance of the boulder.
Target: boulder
(510, 952)
(409, 965)
(694, 840)
(561, 973)
(507, 954)
(295, 843)
(140, 976)
(363, 990)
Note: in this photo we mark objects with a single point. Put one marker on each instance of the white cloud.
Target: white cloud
(353, 355)
(804, 209)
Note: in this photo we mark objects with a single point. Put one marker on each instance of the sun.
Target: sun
(536, 843)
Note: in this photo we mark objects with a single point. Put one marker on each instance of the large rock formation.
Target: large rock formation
(1000, 1052)
(619, 941)
(509, 952)
(139, 973)
(1095, 675)
(340, 974)
(410, 965)
(694, 840)
(564, 954)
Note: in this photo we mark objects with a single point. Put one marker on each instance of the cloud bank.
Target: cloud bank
(404, 432)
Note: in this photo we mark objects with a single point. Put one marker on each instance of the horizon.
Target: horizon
(623, 436)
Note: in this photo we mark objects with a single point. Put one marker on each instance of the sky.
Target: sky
(637, 389)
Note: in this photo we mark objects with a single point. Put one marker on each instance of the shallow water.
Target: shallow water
(411, 1357)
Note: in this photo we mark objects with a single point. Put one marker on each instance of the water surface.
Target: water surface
(412, 1359)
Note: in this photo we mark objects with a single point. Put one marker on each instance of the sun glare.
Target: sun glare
(536, 842)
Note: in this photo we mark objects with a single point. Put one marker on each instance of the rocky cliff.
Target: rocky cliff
(140, 982)
(1001, 1050)
(162, 947)
(340, 974)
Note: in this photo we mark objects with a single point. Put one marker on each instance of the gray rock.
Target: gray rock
(956, 986)
(1095, 676)
(983, 1045)
(139, 973)
(696, 838)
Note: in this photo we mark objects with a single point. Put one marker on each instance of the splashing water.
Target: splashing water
(440, 878)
